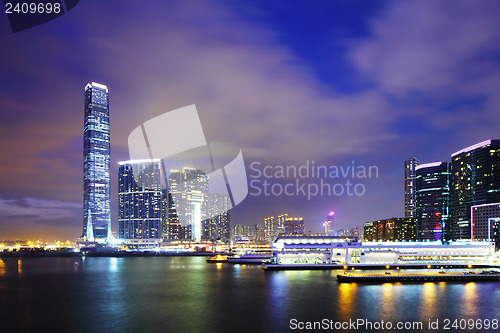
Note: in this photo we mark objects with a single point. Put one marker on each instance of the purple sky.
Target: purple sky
(364, 81)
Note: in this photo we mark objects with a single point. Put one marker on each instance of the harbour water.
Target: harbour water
(185, 294)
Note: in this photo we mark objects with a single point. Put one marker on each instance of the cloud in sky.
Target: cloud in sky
(37, 208)
(442, 59)
(428, 67)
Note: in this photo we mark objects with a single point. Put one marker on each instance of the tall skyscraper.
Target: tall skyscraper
(410, 204)
(140, 201)
(189, 190)
(475, 180)
(270, 233)
(432, 198)
(96, 164)
(280, 224)
(170, 218)
(217, 226)
(329, 223)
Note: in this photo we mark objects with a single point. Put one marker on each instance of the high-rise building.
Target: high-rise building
(280, 224)
(294, 226)
(410, 204)
(217, 226)
(432, 198)
(390, 230)
(486, 222)
(475, 180)
(329, 223)
(169, 218)
(189, 189)
(140, 201)
(274, 227)
(270, 233)
(96, 164)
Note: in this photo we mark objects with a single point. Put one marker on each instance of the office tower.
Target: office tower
(329, 223)
(486, 222)
(410, 205)
(96, 164)
(189, 188)
(475, 180)
(140, 200)
(217, 226)
(390, 230)
(294, 226)
(432, 198)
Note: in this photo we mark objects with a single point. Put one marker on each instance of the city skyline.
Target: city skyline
(343, 90)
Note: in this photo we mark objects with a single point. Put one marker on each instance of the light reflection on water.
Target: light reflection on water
(175, 294)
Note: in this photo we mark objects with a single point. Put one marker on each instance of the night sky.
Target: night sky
(332, 82)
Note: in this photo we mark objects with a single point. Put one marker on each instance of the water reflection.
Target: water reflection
(387, 306)
(278, 295)
(469, 300)
(188, 295)
(3, 270)
(19, 267)
(113, 264)
(428, 300)
(347, 297)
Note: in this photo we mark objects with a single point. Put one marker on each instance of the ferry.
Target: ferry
(218, 258)
(250, 258)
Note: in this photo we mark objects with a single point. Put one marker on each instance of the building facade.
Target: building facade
(189, 191)
(270, 233)
(217, 226)
(390, 230)
(96, 164)
(294, 226)
(475, 180)
(410, 193)
(486, 222)
(432, 198)
(323, 250)
(140, 201)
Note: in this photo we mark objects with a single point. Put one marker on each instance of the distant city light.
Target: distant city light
(331, 213)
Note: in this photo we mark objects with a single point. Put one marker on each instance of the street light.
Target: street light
(398, 270)
(428, 268)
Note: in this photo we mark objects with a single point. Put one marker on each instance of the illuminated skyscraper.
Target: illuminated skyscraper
(189, 190)
(269, 229)
(217, 226)
(170, 219)
(96, 164)
(475, 180)
(140, 201)
(486, 222)
(432, 197)
(329, 223)
(410, 204)
(390, 230)
(280, 224)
